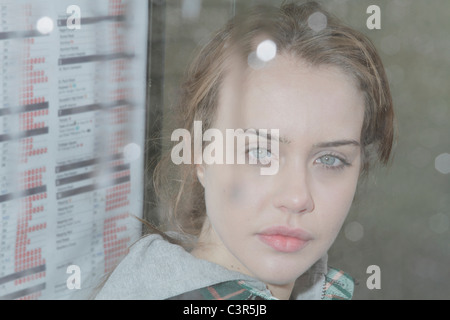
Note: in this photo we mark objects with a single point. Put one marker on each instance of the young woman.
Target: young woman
(314, 96)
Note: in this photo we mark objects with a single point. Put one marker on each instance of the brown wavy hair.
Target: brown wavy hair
(181, 195)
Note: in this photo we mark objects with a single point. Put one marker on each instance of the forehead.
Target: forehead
(293, 96)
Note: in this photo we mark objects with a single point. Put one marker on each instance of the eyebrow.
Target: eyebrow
(269, 136)
(336, 143)
(326, 144)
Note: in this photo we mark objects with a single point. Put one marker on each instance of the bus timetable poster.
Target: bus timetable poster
(72, 130)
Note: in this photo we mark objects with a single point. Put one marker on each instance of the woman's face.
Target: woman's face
(274, 227)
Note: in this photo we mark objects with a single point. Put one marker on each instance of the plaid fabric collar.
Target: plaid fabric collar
(337, 285)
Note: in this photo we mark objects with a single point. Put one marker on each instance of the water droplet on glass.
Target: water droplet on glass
(266, 50)
(131, 152)
(190, 9)
(44, 25)
(317, 21)
(354, 231)
(442, 163)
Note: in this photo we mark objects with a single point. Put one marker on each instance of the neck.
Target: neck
(282, 292)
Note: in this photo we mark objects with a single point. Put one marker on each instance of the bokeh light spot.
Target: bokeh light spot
(44, 25)
(354, 231)
(317, 21)
(266, 50)
(442, 163)
(131, 152)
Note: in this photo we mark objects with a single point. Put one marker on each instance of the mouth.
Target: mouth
(285, 239)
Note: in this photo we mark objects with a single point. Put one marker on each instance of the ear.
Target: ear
(200, 170)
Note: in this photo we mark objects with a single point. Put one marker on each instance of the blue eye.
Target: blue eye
(260, 153)
(329, 160)
(332, 162)
(262, 156)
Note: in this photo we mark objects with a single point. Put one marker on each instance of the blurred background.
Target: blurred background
(401, 216)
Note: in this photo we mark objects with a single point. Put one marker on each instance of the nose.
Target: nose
(293, 194)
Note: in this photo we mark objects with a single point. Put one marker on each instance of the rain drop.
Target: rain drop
(191, 9)
(44, 25)
(442, 163)
(317, 21)
(131, 152)
(354, 231)
(266, 50)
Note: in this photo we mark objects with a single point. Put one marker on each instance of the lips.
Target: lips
(285, 239)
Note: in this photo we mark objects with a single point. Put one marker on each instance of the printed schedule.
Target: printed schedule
(72, 99)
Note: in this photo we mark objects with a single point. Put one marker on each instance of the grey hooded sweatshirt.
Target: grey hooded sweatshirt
(156, 269)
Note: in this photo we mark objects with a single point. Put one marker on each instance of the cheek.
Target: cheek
(233, 195)
(237, 194)
(244, 195)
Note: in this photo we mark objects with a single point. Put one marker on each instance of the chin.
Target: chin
(281, 270)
